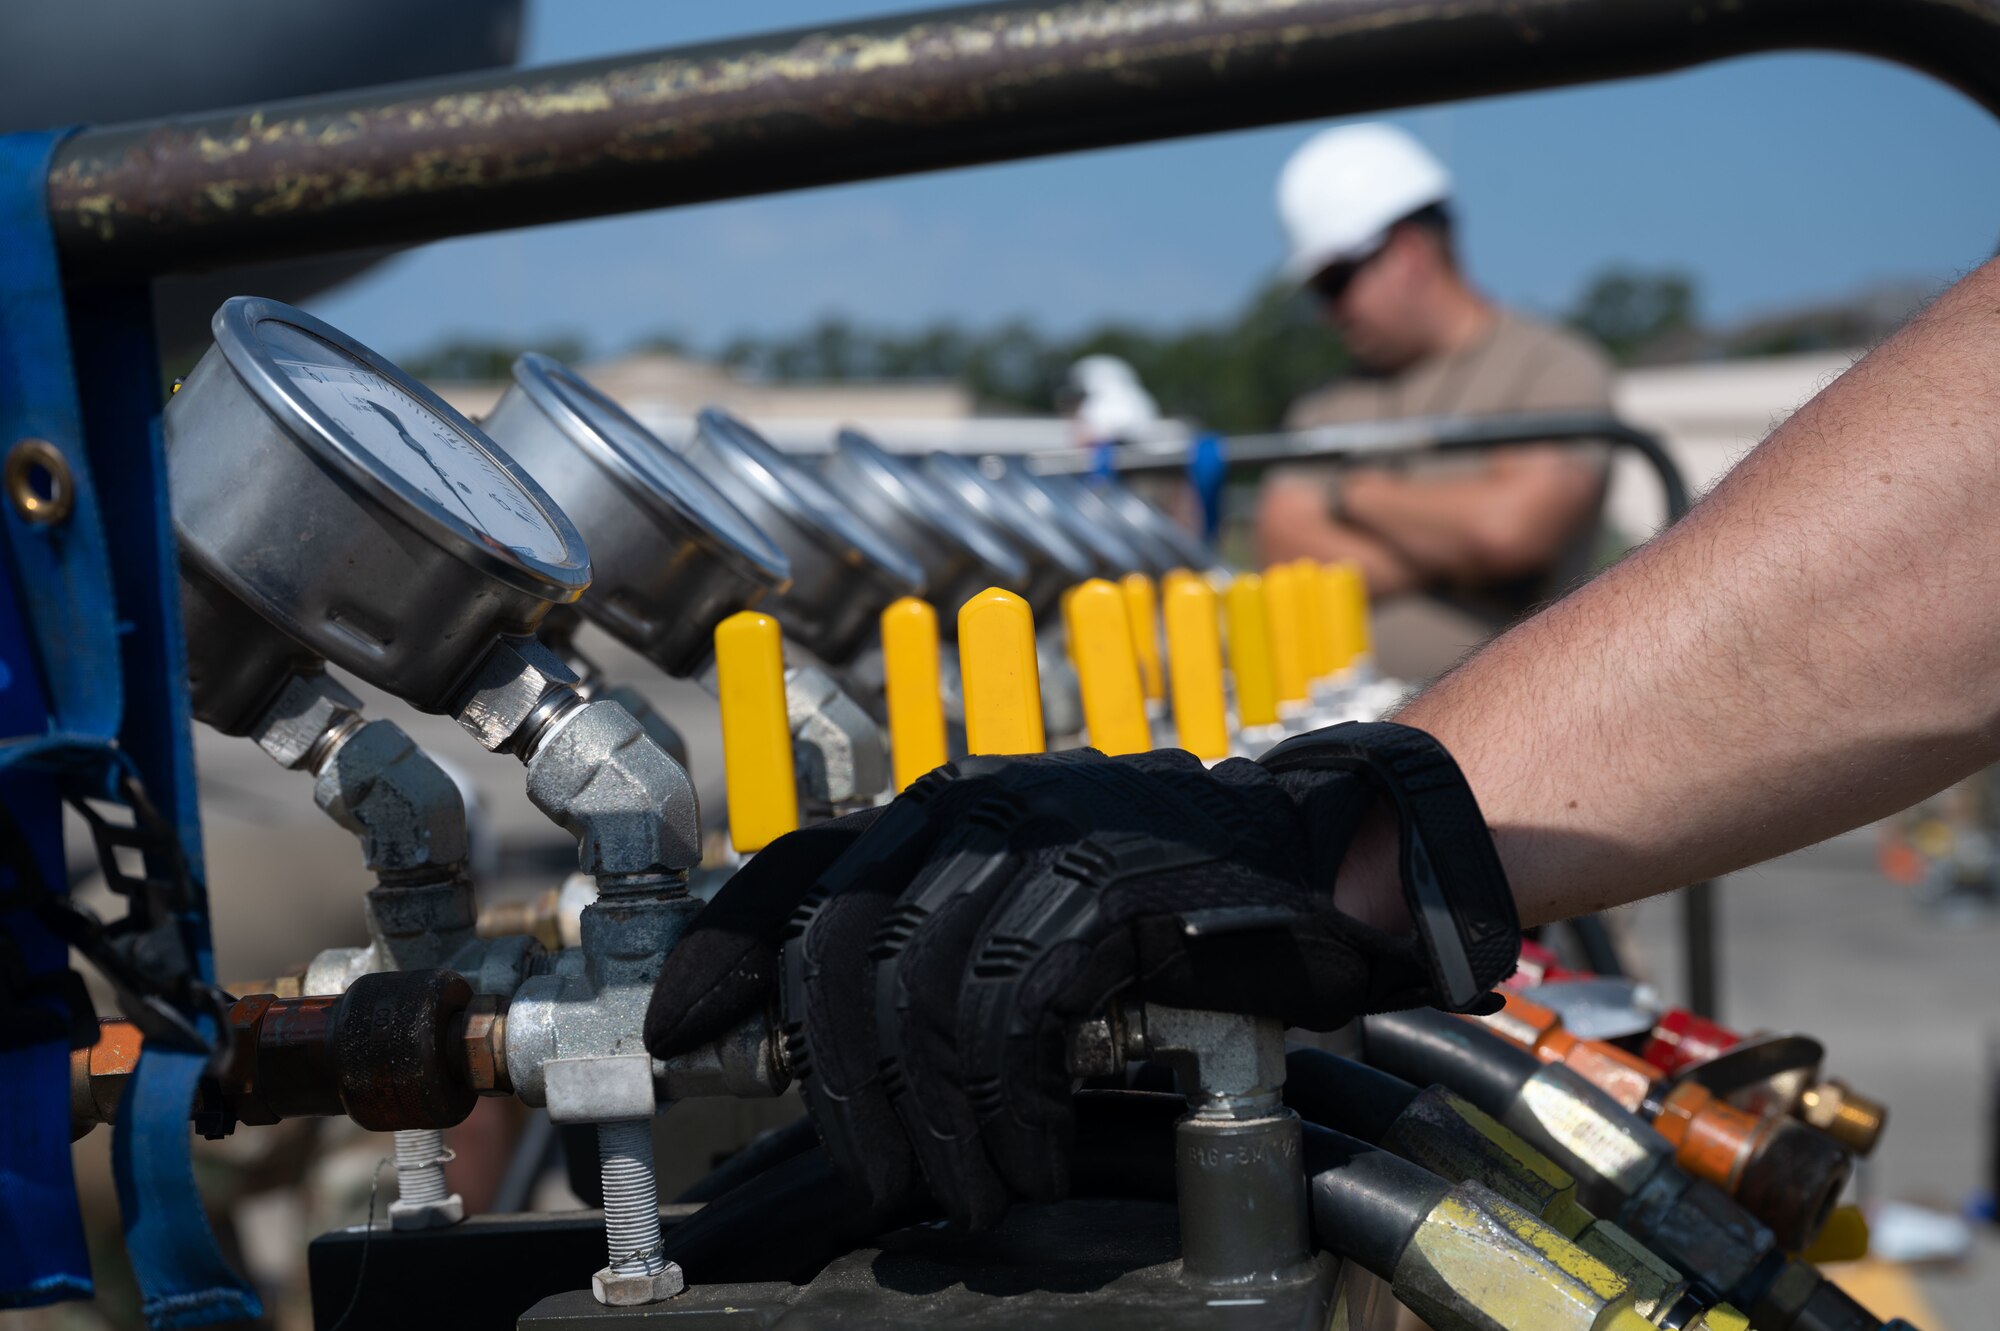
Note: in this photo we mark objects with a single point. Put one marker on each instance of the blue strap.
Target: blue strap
(1208, 469)
(80, 632)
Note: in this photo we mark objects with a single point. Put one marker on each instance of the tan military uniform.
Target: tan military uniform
(1518, 365)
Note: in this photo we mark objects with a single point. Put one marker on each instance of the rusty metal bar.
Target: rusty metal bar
(422, 161)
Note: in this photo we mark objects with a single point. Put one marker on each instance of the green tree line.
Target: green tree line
(1234, 374)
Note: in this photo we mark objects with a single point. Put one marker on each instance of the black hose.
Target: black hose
(1432, 1048)
(1366, 1203)
(1344, 1095)
(765, 1150)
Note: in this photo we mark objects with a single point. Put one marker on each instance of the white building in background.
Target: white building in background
(1710, 414)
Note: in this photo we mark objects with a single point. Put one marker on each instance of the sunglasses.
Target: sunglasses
(1331, 282)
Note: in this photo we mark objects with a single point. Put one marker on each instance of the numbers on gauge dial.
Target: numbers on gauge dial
(429, 455)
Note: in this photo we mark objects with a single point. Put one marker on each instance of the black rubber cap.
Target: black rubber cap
(1793, 1182)
(389, 1042)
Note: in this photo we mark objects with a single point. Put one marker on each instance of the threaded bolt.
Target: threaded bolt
(420, 1159)
(631, 1198)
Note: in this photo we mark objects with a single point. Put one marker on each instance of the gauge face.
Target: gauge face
(403, 437)
(664, 472)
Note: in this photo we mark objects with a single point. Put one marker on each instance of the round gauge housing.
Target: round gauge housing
(671, 556)
(960, 554)
(844, 572)
(353, 509)
(1111, 554)
(1155, 556)
(1188, 549)
(1055, 562)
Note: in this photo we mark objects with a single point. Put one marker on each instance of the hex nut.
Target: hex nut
(510, 683)
(426, 1215)
(620, 1291)
(306, 708)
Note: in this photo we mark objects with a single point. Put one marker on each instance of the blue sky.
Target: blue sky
(1774, 179)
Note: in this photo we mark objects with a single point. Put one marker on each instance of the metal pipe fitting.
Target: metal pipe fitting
(1459, 1256)
(382, 1054)
(840, 755)
(1451, 1138)
(1623, 1168)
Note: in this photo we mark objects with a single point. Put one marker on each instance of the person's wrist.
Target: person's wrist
(1369, 884)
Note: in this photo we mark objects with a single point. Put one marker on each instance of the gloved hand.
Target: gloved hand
(929, 956)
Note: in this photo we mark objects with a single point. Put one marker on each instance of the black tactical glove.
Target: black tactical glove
(928, 957)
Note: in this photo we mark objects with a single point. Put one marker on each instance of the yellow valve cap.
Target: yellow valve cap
(1319, 624)
(756, 730)
(1349, 594)
(1069, 624)
(910, 680)
(1107, 670)
(1282, 606)
(1003, 688)
(1845, 1238)
(1250, 652)
(1194, 657)
(1143, 615)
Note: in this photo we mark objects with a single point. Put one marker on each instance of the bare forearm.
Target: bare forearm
(1303, 530)
(1817, 645)
(1513, 518)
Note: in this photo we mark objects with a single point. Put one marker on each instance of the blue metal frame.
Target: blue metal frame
(92, 687)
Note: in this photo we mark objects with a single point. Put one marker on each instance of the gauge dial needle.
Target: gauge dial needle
(424, 453)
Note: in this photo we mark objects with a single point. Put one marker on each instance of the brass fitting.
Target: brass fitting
(1852, 1119)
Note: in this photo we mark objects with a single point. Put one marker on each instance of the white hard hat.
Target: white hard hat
(1112, 404)
(1345, 187)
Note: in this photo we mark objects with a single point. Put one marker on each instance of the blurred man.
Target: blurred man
(1484, 538)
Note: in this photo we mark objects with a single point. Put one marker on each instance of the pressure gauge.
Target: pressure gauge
(671, 556)
(1111, 554)
(350, 507)
(1055, 563)
(961, 555)
(1155, 556)
(844, 572)
(1188, 549)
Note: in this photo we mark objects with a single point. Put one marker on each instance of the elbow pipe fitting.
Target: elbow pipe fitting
(840, 752)
(631, 807)
(408, 814)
